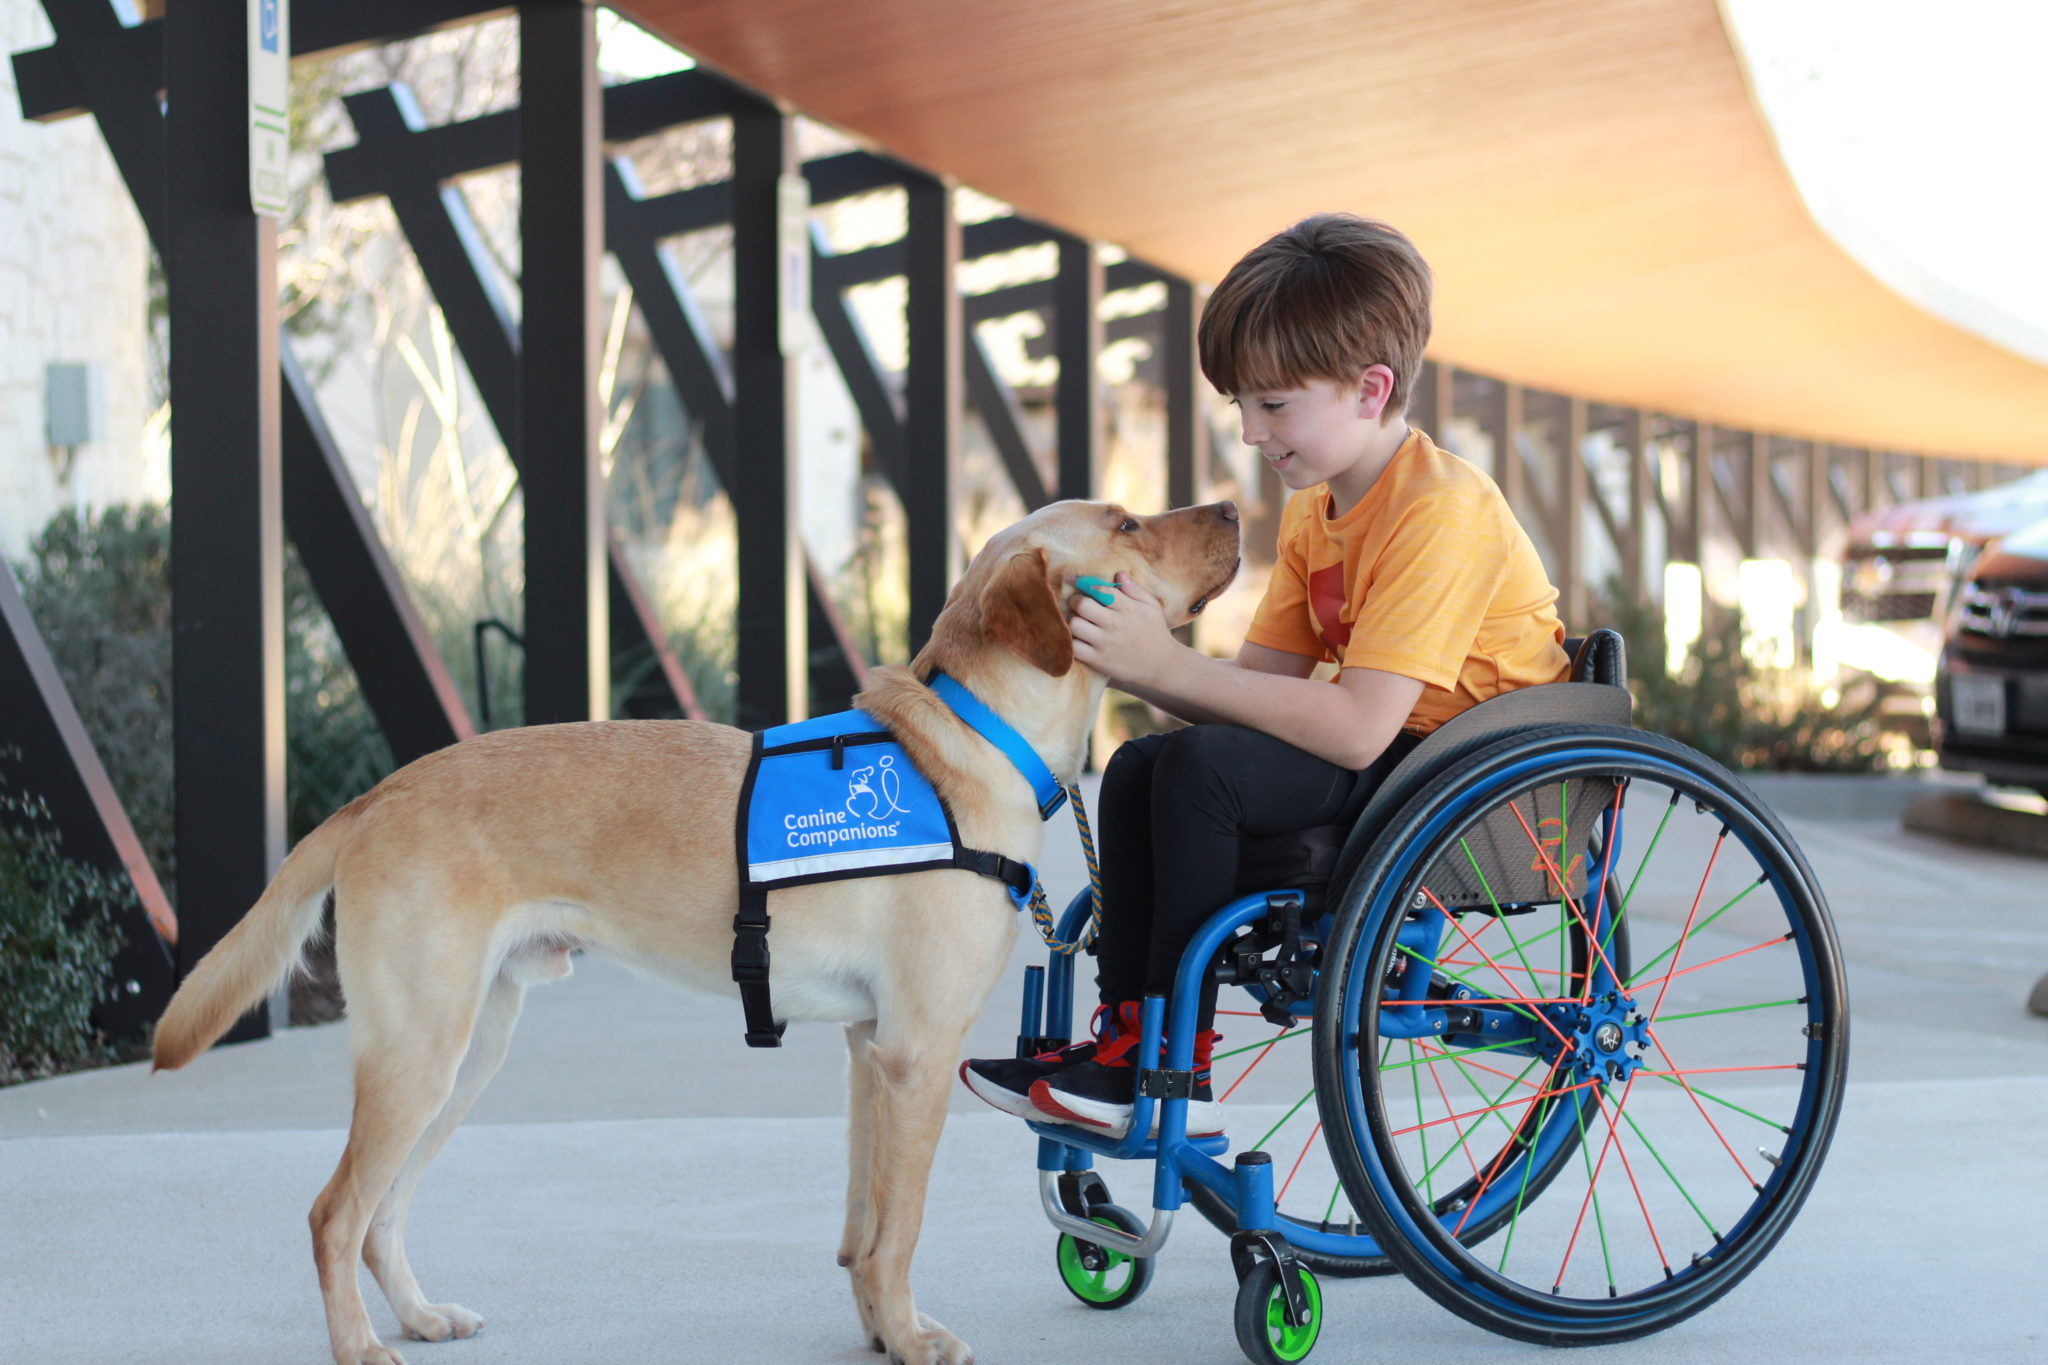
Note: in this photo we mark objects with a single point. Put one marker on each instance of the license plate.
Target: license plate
(1979, 704)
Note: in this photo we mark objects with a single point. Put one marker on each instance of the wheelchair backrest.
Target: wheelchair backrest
(1508, 869)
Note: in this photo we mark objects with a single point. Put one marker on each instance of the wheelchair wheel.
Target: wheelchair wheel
(1097, 1275)
(1260, 1316)
(1584, 958)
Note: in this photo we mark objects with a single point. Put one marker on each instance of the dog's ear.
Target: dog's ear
(1020, 613)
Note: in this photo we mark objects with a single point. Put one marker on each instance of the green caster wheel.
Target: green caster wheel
(1097, 1275)
(1263, 1332)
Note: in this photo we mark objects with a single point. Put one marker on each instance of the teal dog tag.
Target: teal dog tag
(1097, 588)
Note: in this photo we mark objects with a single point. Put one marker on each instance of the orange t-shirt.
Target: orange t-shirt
(1430, 576)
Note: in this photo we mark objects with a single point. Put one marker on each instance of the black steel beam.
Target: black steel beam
(567, 674)
(1077, 340)
(45, 752)
(1181, 375)
(772, 619)
(406, 684)
(53, 87)
(997, 407)
(880, 412)
(227, 532)
(933, 389)
(449, 247)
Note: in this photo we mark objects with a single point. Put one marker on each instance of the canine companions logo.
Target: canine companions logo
(866, 808)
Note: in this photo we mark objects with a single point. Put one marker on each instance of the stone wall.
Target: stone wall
(74, 264)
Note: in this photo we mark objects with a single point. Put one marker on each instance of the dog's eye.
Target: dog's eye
(1129, 524)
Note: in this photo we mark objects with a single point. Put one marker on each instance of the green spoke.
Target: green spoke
(1593, 1192)
(1467, 1052)
(1528, 1166)
(1730, 1009)
(1463, 980)
(1421, 1128)
(1636, 1128)
(1261, 1143)
(1729, 1104)
(1491, 1100)
(1493, 1103)
(1250, 1047)
(1333, 1203)
(1697, 928)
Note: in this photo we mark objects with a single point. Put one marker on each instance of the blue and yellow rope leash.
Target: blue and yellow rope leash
(1041, 913)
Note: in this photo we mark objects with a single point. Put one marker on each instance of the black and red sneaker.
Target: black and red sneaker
(1006, 1082)
(1098, 1093)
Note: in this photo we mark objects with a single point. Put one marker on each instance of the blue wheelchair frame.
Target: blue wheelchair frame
(1048, 1008)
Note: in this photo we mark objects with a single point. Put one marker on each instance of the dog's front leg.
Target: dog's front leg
(912, 1081)
(860, 1148)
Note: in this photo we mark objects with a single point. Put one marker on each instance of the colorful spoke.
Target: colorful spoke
(1734, 1009)
(1260, 1145)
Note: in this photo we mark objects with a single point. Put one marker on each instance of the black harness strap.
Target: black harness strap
(750, 967)
(750, 940)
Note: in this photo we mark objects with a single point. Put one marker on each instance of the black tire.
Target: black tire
(1258, 1315)
(1100, 1277)
(1594, 1015)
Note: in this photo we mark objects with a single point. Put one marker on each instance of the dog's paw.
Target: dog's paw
(376, 1353)
(442, 1322)
(933, 1345)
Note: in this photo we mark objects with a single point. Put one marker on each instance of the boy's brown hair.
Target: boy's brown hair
(1328, 297)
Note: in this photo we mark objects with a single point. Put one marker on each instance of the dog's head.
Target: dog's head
(1015, 593)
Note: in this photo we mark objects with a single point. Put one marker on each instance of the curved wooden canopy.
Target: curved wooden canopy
(1600, 198)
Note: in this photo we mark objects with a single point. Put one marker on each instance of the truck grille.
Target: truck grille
(2002, 612)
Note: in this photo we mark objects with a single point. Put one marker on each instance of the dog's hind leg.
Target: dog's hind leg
(409, 1044)
(913, 1077)
(384, 1246)
(860, 1149)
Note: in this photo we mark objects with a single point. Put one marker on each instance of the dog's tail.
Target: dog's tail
(249, 963)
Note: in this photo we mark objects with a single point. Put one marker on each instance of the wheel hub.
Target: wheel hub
(1604, 1037)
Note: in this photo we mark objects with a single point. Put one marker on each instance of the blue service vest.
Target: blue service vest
(832, 798)
(836, 796)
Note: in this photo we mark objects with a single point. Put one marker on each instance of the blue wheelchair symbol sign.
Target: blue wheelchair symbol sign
(267, 24)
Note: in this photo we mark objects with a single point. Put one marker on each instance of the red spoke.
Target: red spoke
(1486, 1182)
(1532, 971)
(1481, 1066)
(1470, 1159)
(1670, 976)
(1679, 1076)
(1243, 1014)
(1504, 1104)
(1622, 1148)
(1254, 1061)
(1298, 1160)
(1564, 892)
(1678, 952)
(1539, 1015)
(1592, 1187)
(1720, 1070)
(1486, 1000)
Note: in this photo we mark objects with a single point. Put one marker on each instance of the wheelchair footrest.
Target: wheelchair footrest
(1105, 1144)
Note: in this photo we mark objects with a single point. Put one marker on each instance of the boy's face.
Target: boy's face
(1317, 431)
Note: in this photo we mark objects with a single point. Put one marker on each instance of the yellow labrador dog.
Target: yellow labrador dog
(475, 872)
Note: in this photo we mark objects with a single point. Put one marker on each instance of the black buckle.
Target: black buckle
(749, 951)
(1166, 1085)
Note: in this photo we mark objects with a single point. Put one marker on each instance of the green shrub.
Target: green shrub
(59, 929)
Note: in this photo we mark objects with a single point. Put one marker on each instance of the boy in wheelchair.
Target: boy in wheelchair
(1397, 562)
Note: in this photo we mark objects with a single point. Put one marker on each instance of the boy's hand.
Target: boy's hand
(1128, 641)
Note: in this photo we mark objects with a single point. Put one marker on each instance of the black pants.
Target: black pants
(1172, 810)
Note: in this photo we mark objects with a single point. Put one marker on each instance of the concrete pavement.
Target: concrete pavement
(639, 1186)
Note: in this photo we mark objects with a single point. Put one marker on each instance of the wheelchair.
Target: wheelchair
(1574, 1085)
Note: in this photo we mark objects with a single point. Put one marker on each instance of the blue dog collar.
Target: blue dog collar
(993, 728)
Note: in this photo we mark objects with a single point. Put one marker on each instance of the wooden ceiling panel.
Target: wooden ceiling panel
(1600, 199)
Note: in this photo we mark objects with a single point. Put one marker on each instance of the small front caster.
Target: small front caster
(1098, 1275)
(1263, 1330)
